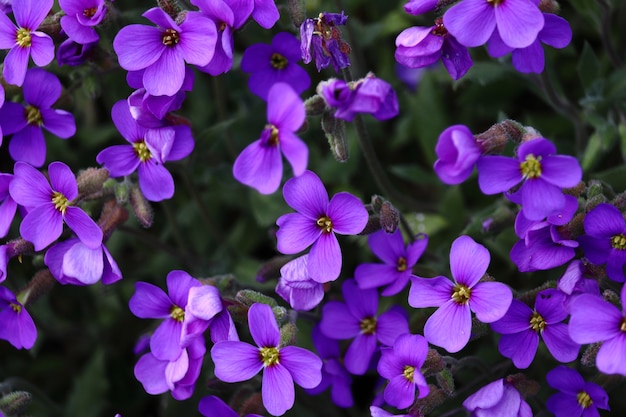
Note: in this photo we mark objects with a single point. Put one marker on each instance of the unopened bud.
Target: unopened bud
(377, 203)
(141, 207)
(288, 334)
(426, 405)
(479, 329)
(252, 405)
(594, 188)
(612, 297)
(434, 363)
(112, 215)
(249, 297)
(51, 25)
(575, 227)
(372, 226)
(170, 7)
(526, 387)
(280, 313)
(15, 403)
(315, 105)
(588, 357)
(239, 312)
(121, 190)
(549, 6)
(445, 380)
(594, 201)
(297, 12)
(335, 133)
(91, 180)
(19, 247)
(389, 217)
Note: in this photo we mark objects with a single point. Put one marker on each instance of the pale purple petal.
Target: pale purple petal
(490, 301)
(347, 214)
(497, 174)
(235, 361)
(165, 341)
(516, 319)
(263, 327)
(125, 123)
(338, 322)
(41, 49)
(151, 373)
(28, 145)
(29, 187)
(259, 166)
(204, 302)
(325, 258)
(277, 390)
(486, 397)
(166, 75)
(15, 64)
(85, 228)
(120, 160)
(471, 22)
(155, 181)
(265, 13)
(295, 150)
(307, 195)
(400, 392)
(83, 263)
(304, 366)
(197, 41)
(468, 260)
(610, 359)
(519, 22)
(285, 108)
(149, 302)
(449, 327)
(178, 285)
(138, 46)
(62, 180)
(30, 13)
(42, 226)
(296, 233)
(430, 292)
(8, 32)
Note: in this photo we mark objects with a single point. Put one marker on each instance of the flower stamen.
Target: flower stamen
(278, 61)
(461, 294)
(33, 116)
(269, 355)
(170, 37)
(60, 201)
(618, 242)
(401, 266)
(142, 151)
(22, 38)
(537, 323)
(584, 399)
(531, 167)
(368, 325)
(325, 224)
(408, 372)
(177, 314)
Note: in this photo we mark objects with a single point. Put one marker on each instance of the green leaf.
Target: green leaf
(588, 66)
(90, 389)
(600, 143)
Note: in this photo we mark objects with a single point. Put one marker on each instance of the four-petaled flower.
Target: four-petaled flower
(576, 397)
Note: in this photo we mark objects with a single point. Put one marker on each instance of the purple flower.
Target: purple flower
(316, 222)
(401, 364)
(595, 320)
(281, 365)
(49, 204)
(575, 281)
(458, 152)
(178, 376)
(576, 397)
(260, 164)
(265, 13)
(605, 240)
(556, 32)
(212, 406)
(163, 51)
(80, 18)
(24, 40)
(358, 318)
(73, 262)
(149, 149)
(417, 7)
(398, 262)
(541, 173)
(379, 412)
(450, 326)
(324, 37)
(7, 204)
(367, 95)
(498, 399)
(295, 286)
(16, 325)
(418, 47)
(270, 64)
(521, 327)
(41, 90)
(206, 309)
(472, 22)
(74, 54)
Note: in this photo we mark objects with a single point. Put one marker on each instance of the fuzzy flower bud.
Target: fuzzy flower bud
(15, 403)
(91, 180)
(141, 207)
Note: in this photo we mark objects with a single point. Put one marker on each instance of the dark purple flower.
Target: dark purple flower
(401, 365)
(556, 32)
(149, 149)
(576, 397)
(417, 7)
(604, 241)
(521, 327)
(270, 64)
(358, 318)
(80, 18)
(542, 175)
(576, 281)
(265, 13)
(74, 54)
(260, 164)
(295, 286)
(7, 204)
(595, 320)
(41, 90)
(281, 365)
(458, 151)
(450, 326)
(398, 262)
(24, 40)
(418, 47)
(497, 399)
(163, 51)
(324, 37)
(49, 204)
(212, 406)
(16, 325)
(316, 222)
(472, 22)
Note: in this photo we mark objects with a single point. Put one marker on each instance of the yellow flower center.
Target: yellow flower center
(531, 167)
(461, 294)
(278, 61)
(269, 355)
(622, 327)
(16, 307)
(60, 201)
(401, 264)
(584, 399)
(33, 116)
(618, 242)
(170, 37)
(177, 314)
(325, 224)
(408, 372)
(22, 37)
(537, 323)
(368, 325)
(273, 139)
(142, 151)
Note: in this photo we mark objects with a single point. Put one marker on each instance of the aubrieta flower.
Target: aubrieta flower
(368, 95)
(575, 281)
(17, 326)
(417, 7)
(163, 51)
(457, 151)
(595, 320)
(398, 261)
(472, 22)
(418, 47)
(556, 32)
(324, 37)
(379, 412)
(401, 364)
(265, 13)
(206, 309)
(297, 288)
(315, 223)
(212, 406)
(80, 18)
(521, 327)
(24, 39)
(8, 206)
(73, 54)
(260, 164)
(281, 365)
(49, 205)
(576, 397)
(358, 318)
(270, 64)
(497, 399)
(41, 90)
(604, 241)
(542, 175)
(450, 326)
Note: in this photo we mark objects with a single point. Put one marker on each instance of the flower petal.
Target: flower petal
(263, 327)
(468, 261)
(235, 361)
(449, 327)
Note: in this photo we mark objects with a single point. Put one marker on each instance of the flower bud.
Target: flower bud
(433, 364)
(41, 283)
(389, 217)
(588, 357)
(170, 7)
(15, 403)
(426, 405)
(288, 334)
(446, 381)
(91, 180)
(297, 12)
(249, 297)
(315, 105)
(334, 129)
(112, 216)
(141, 207)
